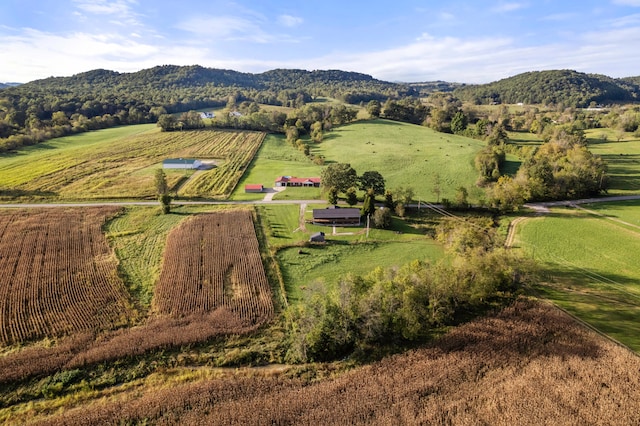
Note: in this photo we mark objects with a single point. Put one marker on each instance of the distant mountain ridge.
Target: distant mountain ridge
(568, 87)
(571, 88)
(5, 85)
(172, 76)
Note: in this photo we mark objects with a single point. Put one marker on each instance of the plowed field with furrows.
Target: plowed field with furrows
(213, 261)
(58, 274)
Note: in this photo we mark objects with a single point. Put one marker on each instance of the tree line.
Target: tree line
(390, 308)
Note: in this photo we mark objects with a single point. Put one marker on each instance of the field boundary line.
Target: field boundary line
(604, 216)
(589, 326)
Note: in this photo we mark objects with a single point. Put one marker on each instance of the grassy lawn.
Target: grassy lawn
(406, 155)
(327, 263)
(276, 157)
(592, 268)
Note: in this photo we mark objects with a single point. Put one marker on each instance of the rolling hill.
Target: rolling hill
(568, 87)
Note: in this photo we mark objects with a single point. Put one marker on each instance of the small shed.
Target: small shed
(181, 163)
(253, 188)
(318, 237)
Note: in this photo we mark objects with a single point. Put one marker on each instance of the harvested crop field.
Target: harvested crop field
(530, 364)
(59, 275)
(213, 261)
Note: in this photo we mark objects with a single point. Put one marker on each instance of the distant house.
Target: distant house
(181, 163)
(318, 237)
(295, 181)
(207, 115)
(336, 216)
(235, 114)
(253, 188)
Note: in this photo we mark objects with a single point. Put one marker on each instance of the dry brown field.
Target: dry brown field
(58, 274)
(212, 283)
(213, 261)
(530, 364)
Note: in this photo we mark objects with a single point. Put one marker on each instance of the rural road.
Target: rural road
(539, 207)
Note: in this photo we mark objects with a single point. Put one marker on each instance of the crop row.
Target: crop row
(222, 180)
(59, 274)
(213, 261)
(119, 167)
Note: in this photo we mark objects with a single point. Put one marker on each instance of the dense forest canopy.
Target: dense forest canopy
(567, 87)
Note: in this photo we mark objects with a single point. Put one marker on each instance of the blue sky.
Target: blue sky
(403, 40)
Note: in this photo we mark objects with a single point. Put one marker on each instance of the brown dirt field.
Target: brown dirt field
(530, 364)
(59, 275)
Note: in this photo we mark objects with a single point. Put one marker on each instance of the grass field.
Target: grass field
(626, 211)
(592, 266)
(276, 157)
(406, 155)
(325, 264)
(623, 158)
(138, 237)
(121, 162)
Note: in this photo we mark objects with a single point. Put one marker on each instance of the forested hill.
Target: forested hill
(567, 87)
(164, 85)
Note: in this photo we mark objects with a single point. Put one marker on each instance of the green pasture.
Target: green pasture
(277, 157)
(626, 211)
(622, 157)
(591, 265)
(302, 268)
(406, 155)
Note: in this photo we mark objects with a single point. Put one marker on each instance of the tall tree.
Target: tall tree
(340, 176)
(372, 180)
(459, 122)
(162, 190)
(368, 206)
(374, 108)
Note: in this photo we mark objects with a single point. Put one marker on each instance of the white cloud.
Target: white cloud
(290, 21)
(634, 3)
(28, 54)
(105, 7)
(559, 17)
(509, 7)
(625, 21)
(122, 10)
(231, 28)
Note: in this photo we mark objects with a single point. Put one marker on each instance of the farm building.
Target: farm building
(318, 237)
(207, 115)
(181, 163)
(336, 216)
(253, 188)
(295, 181)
